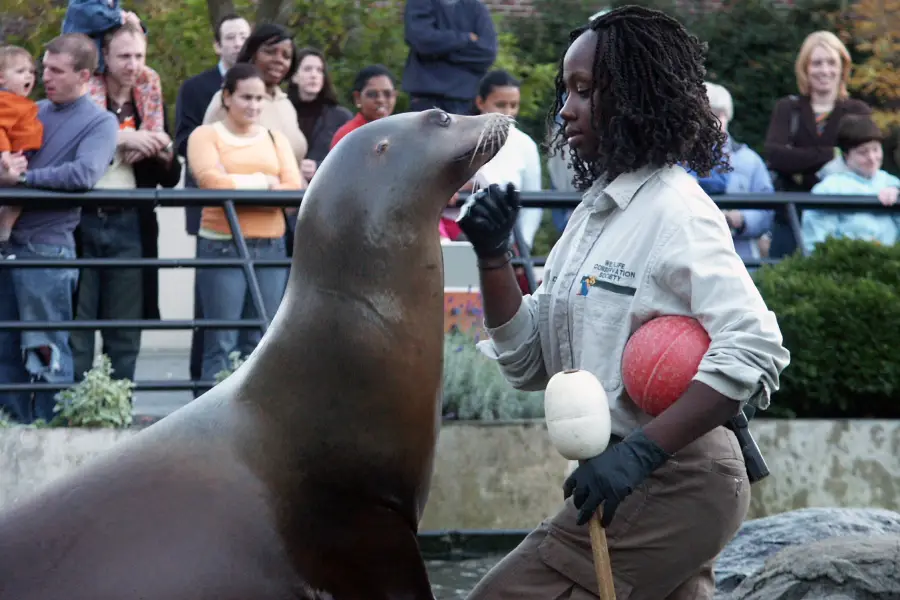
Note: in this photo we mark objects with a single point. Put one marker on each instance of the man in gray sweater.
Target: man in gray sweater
(78, 147)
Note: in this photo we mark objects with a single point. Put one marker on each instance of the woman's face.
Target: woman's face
(824, 70)
(578, 77)
(310, 77)
(274, 61)
(377, 98)
(245, 104)
(501, 99)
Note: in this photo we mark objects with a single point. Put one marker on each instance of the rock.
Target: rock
(858, 567)
(758, 539)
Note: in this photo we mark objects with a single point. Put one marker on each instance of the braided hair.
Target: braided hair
(653, 108)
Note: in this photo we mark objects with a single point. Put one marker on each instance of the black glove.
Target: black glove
(609, 477)
(487, 218)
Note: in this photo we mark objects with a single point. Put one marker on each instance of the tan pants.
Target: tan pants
(662, 542)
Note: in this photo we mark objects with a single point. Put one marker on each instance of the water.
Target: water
(454, 579)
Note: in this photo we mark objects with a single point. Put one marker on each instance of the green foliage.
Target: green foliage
(236, 361)
(180, 41)
(839, 312)
(96, 401)
(752, 48)
(353, 35)
(475, 389)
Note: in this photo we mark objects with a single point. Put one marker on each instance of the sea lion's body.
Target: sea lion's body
(309, 468)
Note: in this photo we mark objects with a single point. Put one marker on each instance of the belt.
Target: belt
(101, 211)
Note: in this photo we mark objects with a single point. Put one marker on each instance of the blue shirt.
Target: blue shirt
(749, 174)
(819, 224)
(79, 145)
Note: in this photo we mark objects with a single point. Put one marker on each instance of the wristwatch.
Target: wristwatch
(23, 180)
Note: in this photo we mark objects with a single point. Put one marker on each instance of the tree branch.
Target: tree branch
(274, 11)
(218, 9)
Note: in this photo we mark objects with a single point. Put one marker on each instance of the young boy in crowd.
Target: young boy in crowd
(20, 130)
(858, 173)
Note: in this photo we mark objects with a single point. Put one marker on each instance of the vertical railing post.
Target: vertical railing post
(525, 255)
(796, 229)
(249, 264)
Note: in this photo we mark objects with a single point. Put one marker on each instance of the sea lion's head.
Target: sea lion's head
(408, 164)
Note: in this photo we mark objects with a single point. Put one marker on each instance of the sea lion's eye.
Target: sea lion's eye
(441, 118)
(381, 147)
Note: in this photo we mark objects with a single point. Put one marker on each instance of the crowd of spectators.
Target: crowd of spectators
(263, 117)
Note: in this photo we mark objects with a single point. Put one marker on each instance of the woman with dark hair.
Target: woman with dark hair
(519, 160)
(375, 95)
(645, 241)
(238, 153)
(318, 111)
(272, 50)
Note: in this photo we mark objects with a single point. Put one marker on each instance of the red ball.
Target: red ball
(660, 360)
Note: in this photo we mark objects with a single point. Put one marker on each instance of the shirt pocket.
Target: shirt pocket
(601, 335)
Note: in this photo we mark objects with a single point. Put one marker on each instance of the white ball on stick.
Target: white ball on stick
(576, 411)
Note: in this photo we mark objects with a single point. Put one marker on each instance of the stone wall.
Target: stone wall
(508, 476)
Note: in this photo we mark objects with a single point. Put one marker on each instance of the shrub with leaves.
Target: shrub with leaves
(236, 360)
(96, 401)
(839, 312)
(475, 389)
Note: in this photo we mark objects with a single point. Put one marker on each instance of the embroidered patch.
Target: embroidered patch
(611, 276)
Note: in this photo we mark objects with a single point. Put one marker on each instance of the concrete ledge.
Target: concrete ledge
(507, 476)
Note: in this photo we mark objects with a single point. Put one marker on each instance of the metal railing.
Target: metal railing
(786, 202)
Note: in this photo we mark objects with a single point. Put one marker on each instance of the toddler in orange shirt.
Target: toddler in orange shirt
(20, 129)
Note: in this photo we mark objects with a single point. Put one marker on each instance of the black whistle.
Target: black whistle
(753, 458)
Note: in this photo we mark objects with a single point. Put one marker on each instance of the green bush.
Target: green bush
(96, 401)
(475, 389)
(839, 312)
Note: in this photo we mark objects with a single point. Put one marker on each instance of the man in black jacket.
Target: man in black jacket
(196, 92)
(452, 45)
(193, 99)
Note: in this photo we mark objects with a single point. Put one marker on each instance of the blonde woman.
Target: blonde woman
(239, 153)
(802, 133)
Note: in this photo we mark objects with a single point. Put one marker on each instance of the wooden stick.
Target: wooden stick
(601, 558)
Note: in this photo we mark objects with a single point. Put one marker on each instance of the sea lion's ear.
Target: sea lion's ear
(381, 147)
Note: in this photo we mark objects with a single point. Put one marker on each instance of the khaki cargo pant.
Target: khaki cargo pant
(662, 542)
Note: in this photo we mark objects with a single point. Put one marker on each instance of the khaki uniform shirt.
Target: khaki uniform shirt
(649, 243)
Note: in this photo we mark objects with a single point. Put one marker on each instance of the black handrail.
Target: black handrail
(229, 199)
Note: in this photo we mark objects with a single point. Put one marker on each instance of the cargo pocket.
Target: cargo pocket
(576, 566)
(604, 325)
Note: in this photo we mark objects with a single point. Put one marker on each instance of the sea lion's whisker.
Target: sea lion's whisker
(477, 145)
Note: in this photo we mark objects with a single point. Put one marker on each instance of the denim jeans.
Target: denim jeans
(35, 295)
(109, 293)
(224, 294)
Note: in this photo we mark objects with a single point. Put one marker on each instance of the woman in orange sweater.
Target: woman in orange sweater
(237, 153)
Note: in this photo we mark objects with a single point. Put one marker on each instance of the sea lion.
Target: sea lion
(305, 473)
